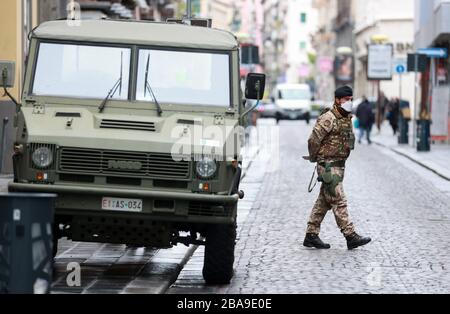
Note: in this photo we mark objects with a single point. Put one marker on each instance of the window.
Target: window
(81, 71)
(295, 94)
(184, 77)
(303, 18)
(302, 45)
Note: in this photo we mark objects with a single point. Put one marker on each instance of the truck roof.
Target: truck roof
(139, 33)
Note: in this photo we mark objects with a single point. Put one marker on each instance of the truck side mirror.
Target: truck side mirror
(255, 86)
(7, 74)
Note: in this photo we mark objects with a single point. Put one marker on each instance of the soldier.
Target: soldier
(330, 145)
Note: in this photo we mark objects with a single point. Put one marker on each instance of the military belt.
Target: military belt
(340, 164)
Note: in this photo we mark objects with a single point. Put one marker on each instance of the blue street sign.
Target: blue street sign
(434, 52)
(400, 68)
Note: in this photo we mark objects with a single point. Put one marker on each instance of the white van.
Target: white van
(293, 102)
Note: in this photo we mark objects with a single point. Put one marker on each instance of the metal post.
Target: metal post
(379, 115)
(189, 9)
(400, 86)
(414, 121)
(3, 142)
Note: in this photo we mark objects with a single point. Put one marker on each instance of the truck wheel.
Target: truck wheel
(219, 254)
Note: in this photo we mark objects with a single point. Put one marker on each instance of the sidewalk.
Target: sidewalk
(437, 160)
(250, 151)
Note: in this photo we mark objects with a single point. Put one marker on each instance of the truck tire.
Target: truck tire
(219, 254)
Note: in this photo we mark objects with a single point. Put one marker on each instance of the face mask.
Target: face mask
(348, 106)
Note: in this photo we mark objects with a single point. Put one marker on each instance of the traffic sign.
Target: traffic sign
(400, 69)
(399, 65)
(434, 52)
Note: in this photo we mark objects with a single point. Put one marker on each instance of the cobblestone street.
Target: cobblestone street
(404, 208)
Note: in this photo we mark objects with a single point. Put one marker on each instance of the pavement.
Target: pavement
(114, 269)
(436, 160)
(401, 205)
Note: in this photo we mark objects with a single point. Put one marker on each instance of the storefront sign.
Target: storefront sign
(379, 64)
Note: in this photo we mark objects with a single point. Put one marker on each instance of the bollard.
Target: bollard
(403, 137)
(423, 136)
(26, 259)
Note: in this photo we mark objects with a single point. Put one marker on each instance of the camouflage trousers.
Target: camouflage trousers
(326, 201)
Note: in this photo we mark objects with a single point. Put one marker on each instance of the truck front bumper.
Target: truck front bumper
(185, 207)
(68, 189)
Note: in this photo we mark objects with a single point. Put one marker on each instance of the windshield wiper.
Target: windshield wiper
(113, 90)
(149, 88)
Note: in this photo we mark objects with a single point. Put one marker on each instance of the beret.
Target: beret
(344, 91)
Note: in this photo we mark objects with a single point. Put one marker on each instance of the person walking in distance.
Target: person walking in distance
(366, 119)
(329, 146)
(393, 114)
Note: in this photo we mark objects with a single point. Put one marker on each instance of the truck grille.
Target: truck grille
(128, 125)
(92, 161)
(202, 209)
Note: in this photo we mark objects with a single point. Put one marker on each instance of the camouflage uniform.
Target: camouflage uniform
(331, 142)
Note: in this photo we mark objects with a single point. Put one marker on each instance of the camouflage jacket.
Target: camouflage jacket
(332, 138)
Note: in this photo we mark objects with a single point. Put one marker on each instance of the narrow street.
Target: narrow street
(403, 207)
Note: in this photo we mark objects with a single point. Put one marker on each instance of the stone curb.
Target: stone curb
(412, 159)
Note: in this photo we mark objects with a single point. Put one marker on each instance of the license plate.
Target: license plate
(122, 204)
(293, 116)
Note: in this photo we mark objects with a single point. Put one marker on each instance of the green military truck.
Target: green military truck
(106, 121)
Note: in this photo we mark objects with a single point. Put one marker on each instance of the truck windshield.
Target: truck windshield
(295, 94)
(181, 77)
(81, 70)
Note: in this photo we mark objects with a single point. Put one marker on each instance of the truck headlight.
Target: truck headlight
(42, 157)
(206, 167)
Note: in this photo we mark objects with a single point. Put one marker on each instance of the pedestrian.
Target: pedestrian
(329, 146)
(366, 119)
(393, 114)
(382, 104)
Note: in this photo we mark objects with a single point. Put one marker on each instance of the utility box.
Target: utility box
(26, 243)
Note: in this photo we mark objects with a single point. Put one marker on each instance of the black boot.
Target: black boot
(355, 240)
(313, 241)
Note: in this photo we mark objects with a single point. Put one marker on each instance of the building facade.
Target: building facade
(396, 25)
(275, 41)
(17, 19)
(432, 30)
(220, 11)
(324, 44)
(301, 23)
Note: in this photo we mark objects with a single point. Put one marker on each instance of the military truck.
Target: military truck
(106, 106)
